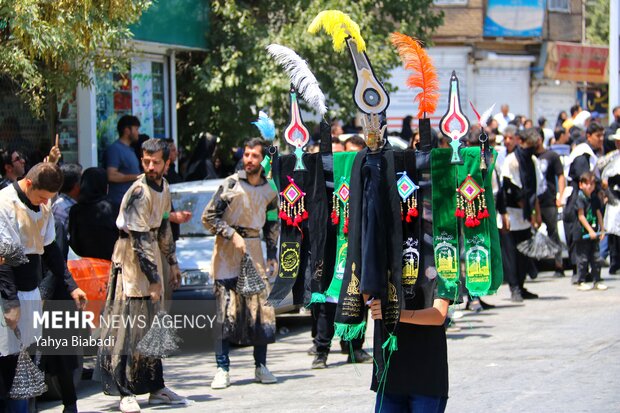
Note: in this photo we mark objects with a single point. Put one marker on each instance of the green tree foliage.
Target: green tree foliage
(597, 22)
(222, 90)
(48, 47)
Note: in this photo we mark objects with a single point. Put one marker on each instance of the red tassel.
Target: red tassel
(485, 213)
(345, 229)
(468, 222)
(414, 212)
(408, 219)
(289, 222)
(480, 215)
(304, 215)
(476, 222)
(283, 215)
(457, 213)
(297, 220)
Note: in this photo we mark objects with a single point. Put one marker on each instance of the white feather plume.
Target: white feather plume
(300, 75)
(484, 118)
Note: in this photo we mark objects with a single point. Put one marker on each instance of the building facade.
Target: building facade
(498, 49)
(87, 118)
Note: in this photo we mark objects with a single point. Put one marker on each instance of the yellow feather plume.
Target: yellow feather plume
(339, 26)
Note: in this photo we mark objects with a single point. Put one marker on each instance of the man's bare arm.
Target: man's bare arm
(115, 176)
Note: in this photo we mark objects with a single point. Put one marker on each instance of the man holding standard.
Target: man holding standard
(136, 286)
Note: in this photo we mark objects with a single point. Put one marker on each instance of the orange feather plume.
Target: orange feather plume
(424, 75)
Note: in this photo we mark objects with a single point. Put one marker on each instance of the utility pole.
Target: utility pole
(614, 70)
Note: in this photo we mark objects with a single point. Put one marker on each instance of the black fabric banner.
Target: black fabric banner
(299, 246)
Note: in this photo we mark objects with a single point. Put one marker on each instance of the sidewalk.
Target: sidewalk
(560, 353)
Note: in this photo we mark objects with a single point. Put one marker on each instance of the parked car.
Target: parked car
(195, 246)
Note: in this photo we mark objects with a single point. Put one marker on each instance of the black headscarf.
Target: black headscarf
(406, 133)
(92, 221)
(93, 186)
(527, 172)
(201, 163)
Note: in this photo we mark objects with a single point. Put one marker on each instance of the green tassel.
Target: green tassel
(391, 343)
(317, 298)
(348, 332)
(447, 288)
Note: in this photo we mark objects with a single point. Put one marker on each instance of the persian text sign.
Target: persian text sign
(514, 18)
(568, 61)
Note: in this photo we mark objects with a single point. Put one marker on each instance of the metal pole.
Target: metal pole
(614, 70)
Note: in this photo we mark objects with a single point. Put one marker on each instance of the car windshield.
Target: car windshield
(195, 202)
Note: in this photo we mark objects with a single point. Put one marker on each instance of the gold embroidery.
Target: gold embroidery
(392, 295)
(354, 284)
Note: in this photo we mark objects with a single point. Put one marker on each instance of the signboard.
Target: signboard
(142, 94)
(575, 62)
(180, 23)
(514, 18)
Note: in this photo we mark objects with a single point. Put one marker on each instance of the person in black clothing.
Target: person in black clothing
(562, 116)
(521, 181)
(553, 172)
(587, 234)
(609, 144)
(172, 176)
(582, 159)
(137, 146)
(93, 214)
(406, 133)
(417, 378)
(201, 163)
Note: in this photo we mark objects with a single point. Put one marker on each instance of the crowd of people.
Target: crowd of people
(543, 174)
(540, 174)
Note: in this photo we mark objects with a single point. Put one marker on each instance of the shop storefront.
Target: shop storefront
(87, 119)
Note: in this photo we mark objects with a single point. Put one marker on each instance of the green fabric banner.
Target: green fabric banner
(343, 162)
(476, 239)
(445, 225)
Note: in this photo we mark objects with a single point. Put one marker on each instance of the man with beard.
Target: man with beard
(236, 214)
(521, 185)
(136, 286)
(121, 162)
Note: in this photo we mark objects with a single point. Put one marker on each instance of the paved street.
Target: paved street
(560, 353)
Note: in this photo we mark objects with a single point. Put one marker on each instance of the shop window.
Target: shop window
(141, 93)
(67, 128)
(559, 5)
(19, 129)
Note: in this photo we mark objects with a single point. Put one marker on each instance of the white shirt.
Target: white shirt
(510, 170)
(502, 121)
(20, 224)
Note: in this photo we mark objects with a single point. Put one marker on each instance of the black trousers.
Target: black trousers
(323, 317)
(515, 264)
(586, 258)
(549, 216)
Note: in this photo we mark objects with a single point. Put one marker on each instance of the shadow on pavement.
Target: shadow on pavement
(281, 379)
(553, 298)
(461, 336)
